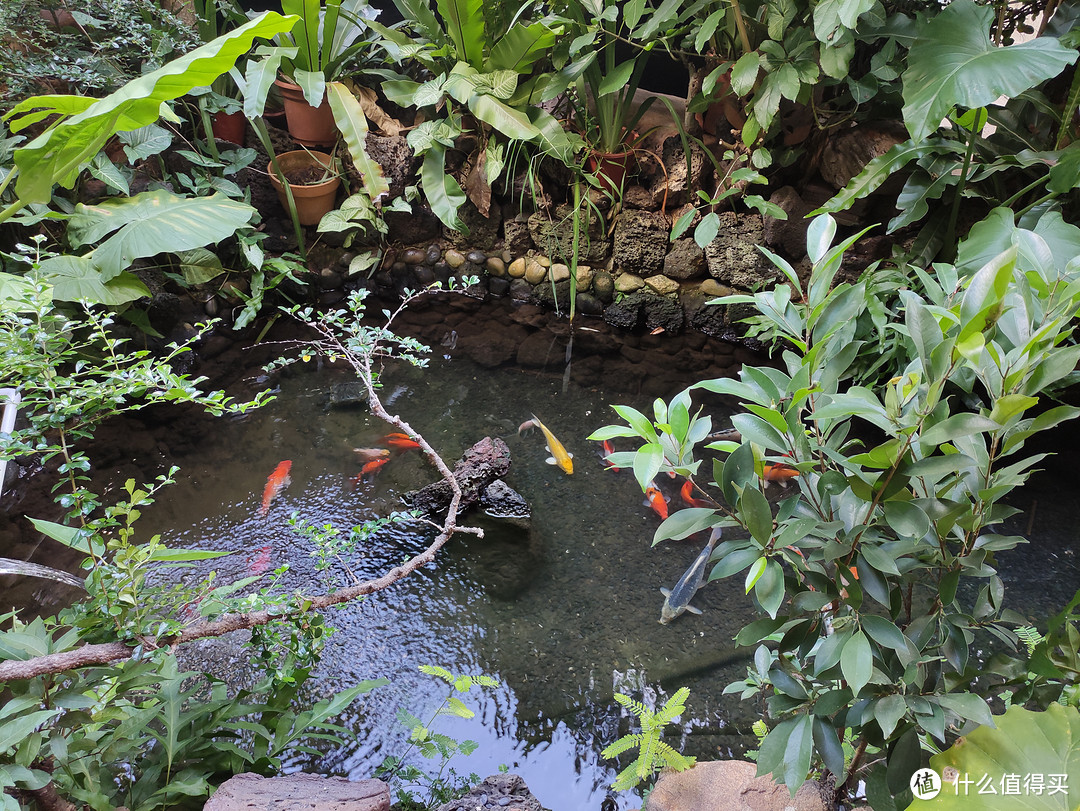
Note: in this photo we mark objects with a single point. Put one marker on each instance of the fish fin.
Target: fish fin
(570, 454)
(666, 592)
(551, 460)
(693, 610)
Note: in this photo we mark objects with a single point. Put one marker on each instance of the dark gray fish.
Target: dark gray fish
(677, 600)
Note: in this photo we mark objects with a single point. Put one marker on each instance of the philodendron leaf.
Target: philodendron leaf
(57, 155)
(154, 222)
(1025, 745)
(353, 125)
(954, 63)
(77, 278)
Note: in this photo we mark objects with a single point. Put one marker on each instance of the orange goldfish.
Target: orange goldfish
(370, 454)
(277, 480)
(608, 449)
(260, 561)
(778, 473)
(655, 501)
(402, 442)
(686, 493)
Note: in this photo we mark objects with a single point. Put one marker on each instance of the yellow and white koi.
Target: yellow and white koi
(559, 455)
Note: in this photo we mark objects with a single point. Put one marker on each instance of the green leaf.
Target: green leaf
(166, 555)
(464, 20)
(857, 661)
(684, 523)
(199, 265)
(522, 46)
(956, 426)
(756, 514)
(1030, 743)
(968, 706)
(954, 63)
(153, 222)
(744, 73)
(514, 124)
(769, 588)
(786, 751)
(647, 463)
(77, 278)
(906, 519)
(888, 711)
(14, 730)
(57, 155)
(352, 123)
(443, 192)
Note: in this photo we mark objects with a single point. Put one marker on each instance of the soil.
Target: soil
(308, 176)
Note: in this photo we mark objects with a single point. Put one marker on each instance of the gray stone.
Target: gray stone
(483, 232)
(639, 197)
(559, 272)
(664, 313)
(348, 393)
(424, 275)
(556, 297)
(433, 254)
(500, 500)
(627, 313)
(603, 285)
(846, 153)
(505, 792)
(299, 792)
(521, 290)
(476, 257)
(418, 225)
(678, 189)
(730, 785)
(685, 260)
(396, 158)
(788, 236)
(330, 279)
(479, 466)
(413, 256)
(554, 234)
(733, 257)
(584, 277)
(498, 287)
(588, 304)
(711, 287)
(516, 237)
(641, 242)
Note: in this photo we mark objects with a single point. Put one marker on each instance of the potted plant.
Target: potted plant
(317, 50)
(313, 182)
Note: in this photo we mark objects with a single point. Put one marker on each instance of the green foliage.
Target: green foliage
(93, 744)
(1040, 745)
(97, 48)
(652, 753)
(444, 784)
(902, 477)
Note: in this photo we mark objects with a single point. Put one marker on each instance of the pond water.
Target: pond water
(563, 614)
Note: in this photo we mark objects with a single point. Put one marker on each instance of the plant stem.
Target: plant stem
(264, 138)
(954, 215)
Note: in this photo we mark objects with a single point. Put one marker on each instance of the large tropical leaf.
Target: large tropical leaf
(58, 154)
(953, 62)
(510, 122)
(522, 46)
(76, 278)
(443, 193)
(153, 222)
(465, 25)
(352, 123)
(1024, 745)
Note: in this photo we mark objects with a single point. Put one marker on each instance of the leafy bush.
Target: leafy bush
(863, 569)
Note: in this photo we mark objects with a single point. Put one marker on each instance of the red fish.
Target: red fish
(260, 561)
(686, 493)
(778, 473)
(608, 449)
(277, 480)
(400, 441)
(655, 501)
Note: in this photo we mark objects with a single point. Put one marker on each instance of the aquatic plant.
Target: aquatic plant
(445, 784)
(899, 494)
(653, 754)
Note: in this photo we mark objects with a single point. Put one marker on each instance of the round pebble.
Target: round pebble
(454, 258)
(330, 279)
(424, 275)
(495, 266)
(211, 307)
(398, 267)
(535, 272)
(560, 272)
(413, 256)
(543, 261)
(517, 268)
(433, 254)
(476, 257)
(507, 256)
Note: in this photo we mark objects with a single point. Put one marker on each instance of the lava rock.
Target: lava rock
(478, 467)
(500, 792)
(641, 242)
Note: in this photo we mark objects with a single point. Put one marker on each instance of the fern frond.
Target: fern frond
(440, 672)
(625, 743)
(1030, 637)
(636, 707)
(674, 706)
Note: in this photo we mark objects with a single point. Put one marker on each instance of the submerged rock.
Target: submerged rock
(348, 394)
(478, 467)
(299, 791)
(730, 785)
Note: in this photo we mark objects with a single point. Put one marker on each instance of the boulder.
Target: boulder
(789, 236)
(478, 467)
(733, 257)
(299, 792)
(730, 785)
(641, 241)
(554, 235)
(685, 261)
(503, 792)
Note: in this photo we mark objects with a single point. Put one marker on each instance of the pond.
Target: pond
(565, 613)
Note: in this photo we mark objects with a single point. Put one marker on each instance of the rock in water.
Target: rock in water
(501, 791)
(479, 466)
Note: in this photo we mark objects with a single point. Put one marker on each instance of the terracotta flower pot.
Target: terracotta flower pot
(309, 126)
(312, 200)
(230, 127)
(611, 168)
